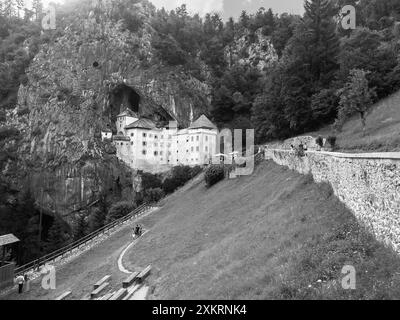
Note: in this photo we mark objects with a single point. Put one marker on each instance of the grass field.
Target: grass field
(273, 235)
(382, 131)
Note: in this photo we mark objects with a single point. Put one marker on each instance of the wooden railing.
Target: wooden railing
(81, 242)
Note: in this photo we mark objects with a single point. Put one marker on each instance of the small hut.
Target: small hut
(6, 268)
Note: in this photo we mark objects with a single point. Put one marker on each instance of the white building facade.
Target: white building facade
(143, 146)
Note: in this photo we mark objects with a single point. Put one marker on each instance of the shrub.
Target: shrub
(150, 181)
(319, 141)
(154, 195)
(97, 219)
(23, 111)
(8, 132)
(332, 141)
(195, 171)
(214, 174)
(180, 175)
(170, 185)
(119, 210)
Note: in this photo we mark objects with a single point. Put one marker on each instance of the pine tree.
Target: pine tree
(80, 227)
(37, 7)
(97, 219)
(57, 237)
(323, 44)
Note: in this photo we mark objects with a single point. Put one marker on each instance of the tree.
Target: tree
(323, 43)
(119, 210)
(37, 7)
(365, 49)
(57, 236)
(355, 97)
(80, 227)
(97, 219)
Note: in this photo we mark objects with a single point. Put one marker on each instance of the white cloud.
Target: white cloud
(194, 6)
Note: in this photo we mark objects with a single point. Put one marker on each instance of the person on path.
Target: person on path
(20, 281)
(27, 283)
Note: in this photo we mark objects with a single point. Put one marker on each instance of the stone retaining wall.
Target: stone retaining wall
(369, 184)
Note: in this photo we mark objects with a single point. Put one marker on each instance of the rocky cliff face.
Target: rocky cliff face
(256, 51)
(77, 84)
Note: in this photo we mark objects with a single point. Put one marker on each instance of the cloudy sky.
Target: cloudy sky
(228, 7)
(233, 7)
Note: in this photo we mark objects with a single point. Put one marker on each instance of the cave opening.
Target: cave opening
(121, 98)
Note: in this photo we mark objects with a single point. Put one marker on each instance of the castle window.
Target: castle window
(131, 143)
(156, 144)
(161, 153)
(198, 138)
(197, 149)
(132, 134)
(144, 143)
(192, 139)
(206, 138)
(169, 153)
(150, 135)
(156, 153)
(206, 149)
(144, 135)
(144, 152)
(192, 149)
(155, 137)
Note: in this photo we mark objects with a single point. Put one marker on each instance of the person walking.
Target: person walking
(20, 281)
(27, 283)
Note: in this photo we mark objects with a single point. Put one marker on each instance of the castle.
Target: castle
(144, 146)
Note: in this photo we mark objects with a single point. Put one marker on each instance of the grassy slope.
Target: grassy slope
(271, 235)
(383, 129)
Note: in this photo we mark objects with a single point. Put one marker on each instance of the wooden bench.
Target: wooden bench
(119, 295)
(144, 274)
(100, 282)
(64, 295)
(106, 297)
(132, 291)
(130, 280)
(95, 294)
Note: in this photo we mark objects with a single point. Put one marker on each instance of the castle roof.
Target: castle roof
(203, 123)
(142, 124)
(127, 113)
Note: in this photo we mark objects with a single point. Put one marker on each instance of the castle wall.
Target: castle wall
(369, 185)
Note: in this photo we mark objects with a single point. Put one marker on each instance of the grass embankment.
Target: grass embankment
(382, 130)
(272, 235)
